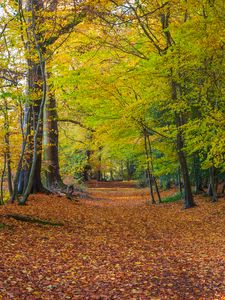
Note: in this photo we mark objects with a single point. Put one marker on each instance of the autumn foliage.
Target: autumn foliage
(113, 245)
(112, 146)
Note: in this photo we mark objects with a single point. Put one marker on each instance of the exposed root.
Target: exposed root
(29, 219)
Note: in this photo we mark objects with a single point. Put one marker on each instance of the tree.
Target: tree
(37, 42)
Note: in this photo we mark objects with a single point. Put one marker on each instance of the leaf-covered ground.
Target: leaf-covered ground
(113, 246)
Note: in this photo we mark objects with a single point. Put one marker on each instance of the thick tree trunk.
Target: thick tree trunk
(212, 185)
(28, 177)
(188, 197)
(37, 89)
(51, 135)
(180, 184)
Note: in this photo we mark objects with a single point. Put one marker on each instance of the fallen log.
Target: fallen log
(30, 219)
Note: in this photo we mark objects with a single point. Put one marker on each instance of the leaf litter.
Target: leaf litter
(113, 246)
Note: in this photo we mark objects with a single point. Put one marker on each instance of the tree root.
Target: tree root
(29, 219)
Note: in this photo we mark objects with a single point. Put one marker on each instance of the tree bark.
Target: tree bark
(51, 135)
(188, 197)
(212, 185)
(148, 170)
(37, 89)
(34, 122)
(198, 174)
(152, 169)
(179, 120)
(7, 150)
(2, 182)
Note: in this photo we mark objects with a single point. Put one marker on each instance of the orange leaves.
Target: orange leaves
(113, 246)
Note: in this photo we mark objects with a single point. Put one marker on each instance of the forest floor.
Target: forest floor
(112, 245)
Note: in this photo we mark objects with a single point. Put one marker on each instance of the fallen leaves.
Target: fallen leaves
(113, 247)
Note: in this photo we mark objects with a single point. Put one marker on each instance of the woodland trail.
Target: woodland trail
(113, 246)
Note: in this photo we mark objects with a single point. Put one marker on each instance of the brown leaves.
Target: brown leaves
(113, 247)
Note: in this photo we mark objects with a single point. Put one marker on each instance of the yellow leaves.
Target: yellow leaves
(19, 256)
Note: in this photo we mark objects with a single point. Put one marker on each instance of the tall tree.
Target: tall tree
(38, 43)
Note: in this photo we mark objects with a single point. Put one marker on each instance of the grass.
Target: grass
(2, 226)
(173, 198)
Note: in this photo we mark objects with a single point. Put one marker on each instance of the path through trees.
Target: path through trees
(113, 246)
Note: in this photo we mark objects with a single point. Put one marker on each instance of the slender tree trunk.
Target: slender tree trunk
(148, 170)
(7, 150)
(34, 122)
(99, 171)
(179, 120)
(18, 184)
(87, 168)
(223, 188)
(2, 181)
(9, 172)
(157, 189)
(198, 174)
(152, 168)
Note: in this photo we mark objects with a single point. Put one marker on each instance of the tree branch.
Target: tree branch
(76, 123)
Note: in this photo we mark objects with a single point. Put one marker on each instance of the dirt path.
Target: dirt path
(113, 246)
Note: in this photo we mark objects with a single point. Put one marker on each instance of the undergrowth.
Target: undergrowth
(175, 197)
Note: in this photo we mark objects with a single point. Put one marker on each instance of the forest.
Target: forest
(112, 149)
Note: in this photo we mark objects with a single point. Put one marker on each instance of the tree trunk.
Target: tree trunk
(51, 134)
(212, 185)
(180, 184)
(198, 174)
(37, 89)
(223, 188)
(7, 149)
(99, 171)
(152, 169)
(179, 121)
(111, 175)
(2, 182)
(157, 189)
(188, 197)
(34, 122)
(148, 170)
(87, 168)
